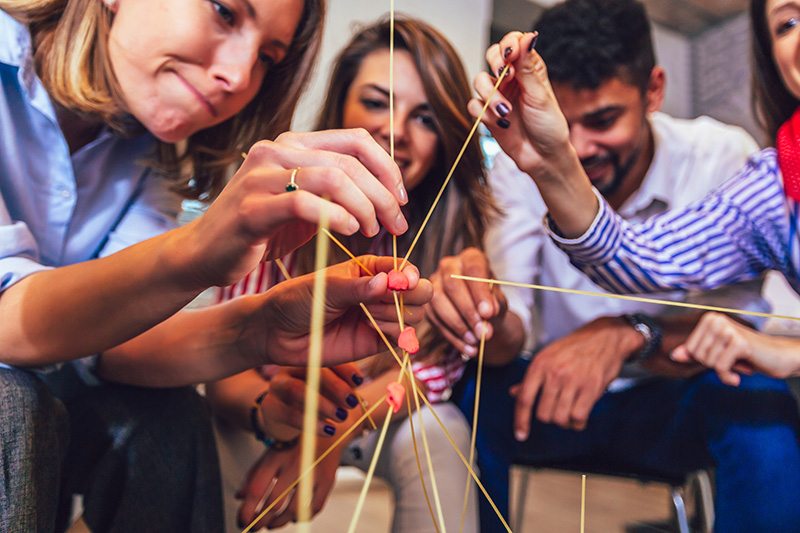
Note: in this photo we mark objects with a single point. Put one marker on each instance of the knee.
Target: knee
(29, 411)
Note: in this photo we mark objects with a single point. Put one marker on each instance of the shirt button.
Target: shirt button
(66, 194)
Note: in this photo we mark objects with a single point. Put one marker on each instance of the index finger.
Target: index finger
(359, 144)
(523, 409)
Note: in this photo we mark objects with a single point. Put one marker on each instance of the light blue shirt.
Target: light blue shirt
(58, 209)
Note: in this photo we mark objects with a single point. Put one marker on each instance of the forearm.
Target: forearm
(192, 346)
(86, 308)
(567, 192)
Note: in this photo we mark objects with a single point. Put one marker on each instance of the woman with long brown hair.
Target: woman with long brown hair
(112, 111)
(430, 125)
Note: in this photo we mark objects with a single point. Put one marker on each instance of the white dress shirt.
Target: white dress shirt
(691, 157)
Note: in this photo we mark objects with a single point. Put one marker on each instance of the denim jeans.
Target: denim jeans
(749, 434)
(143, 459)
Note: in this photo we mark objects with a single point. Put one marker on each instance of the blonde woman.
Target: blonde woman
(111, 112)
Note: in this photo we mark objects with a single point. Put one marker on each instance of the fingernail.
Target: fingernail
(533, 42)
(351, 400)
(470, 350)
(358, 379)
(502, 109)
(352, 227)
(402, 225)
(469, 338)
(503, 123)
(341, 414)
(507, 52)
(485, 309)
(402, 193)
(520, 435)
(329, 430)
(500, 71)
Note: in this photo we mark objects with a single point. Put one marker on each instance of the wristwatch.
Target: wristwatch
(650, 330)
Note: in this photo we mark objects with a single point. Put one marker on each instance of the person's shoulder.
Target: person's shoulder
(14, 40)
(701, 133)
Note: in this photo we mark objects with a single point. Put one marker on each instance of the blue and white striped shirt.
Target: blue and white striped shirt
(741, 229)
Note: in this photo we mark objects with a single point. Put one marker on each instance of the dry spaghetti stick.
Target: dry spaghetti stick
(416, 456)
(583, 501)
(319, 460)
(474, 420)
(628, 298)
(309, 440)
(455, 164)
(444, 429)
(371, 471)
(283, 269)
(348, 252)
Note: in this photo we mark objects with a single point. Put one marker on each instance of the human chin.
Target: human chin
(169, 125)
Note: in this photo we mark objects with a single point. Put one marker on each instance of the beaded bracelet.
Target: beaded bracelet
(260, 435)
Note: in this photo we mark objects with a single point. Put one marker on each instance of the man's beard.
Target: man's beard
(620, 170)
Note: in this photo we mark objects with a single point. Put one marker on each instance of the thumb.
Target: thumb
(344, 292)
(681, 355)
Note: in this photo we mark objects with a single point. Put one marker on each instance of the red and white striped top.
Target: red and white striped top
(438, 378)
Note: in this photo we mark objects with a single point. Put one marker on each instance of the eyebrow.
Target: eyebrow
(603, 111)
(425, 106)
(277, 43)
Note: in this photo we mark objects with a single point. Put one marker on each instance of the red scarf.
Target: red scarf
(789, 155)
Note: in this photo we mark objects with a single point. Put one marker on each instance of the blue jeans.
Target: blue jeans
(143, 459)
(749, 434)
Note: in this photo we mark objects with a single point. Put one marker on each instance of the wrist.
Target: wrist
(649, 333)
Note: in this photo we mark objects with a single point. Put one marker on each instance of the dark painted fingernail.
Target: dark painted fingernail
(503, 123)
(329, 430)
(341, 414)
(507, 52)
(240, 524)
(533, 42)
(500, 71)
(358, 379)
(502, 109)
(351, 400)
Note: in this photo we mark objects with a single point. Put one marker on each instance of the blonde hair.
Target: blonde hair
(70, 43)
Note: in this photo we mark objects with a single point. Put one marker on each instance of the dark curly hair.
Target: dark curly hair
(588, 42)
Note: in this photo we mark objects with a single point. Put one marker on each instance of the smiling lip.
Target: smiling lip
(199, 96)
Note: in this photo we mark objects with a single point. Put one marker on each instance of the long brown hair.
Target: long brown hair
(70, 40)
(462, 214)
(773, 104)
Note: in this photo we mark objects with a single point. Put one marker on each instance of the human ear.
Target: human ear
(655, 89)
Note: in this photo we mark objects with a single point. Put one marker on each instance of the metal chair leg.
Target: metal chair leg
(707, 499)
(680, 510)
(522, 495)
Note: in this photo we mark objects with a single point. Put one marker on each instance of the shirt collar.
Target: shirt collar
(653, 188)
(15, 51)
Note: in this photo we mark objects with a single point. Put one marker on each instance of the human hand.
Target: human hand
(572, 373)
(282, 410)
(275, 324)
(272, 474)
(731, 349)
(254, 218)
(523, 115)
(459, 308)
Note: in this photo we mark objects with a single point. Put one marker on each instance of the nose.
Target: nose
(397, 123)
(233, 67)
(583, 141)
